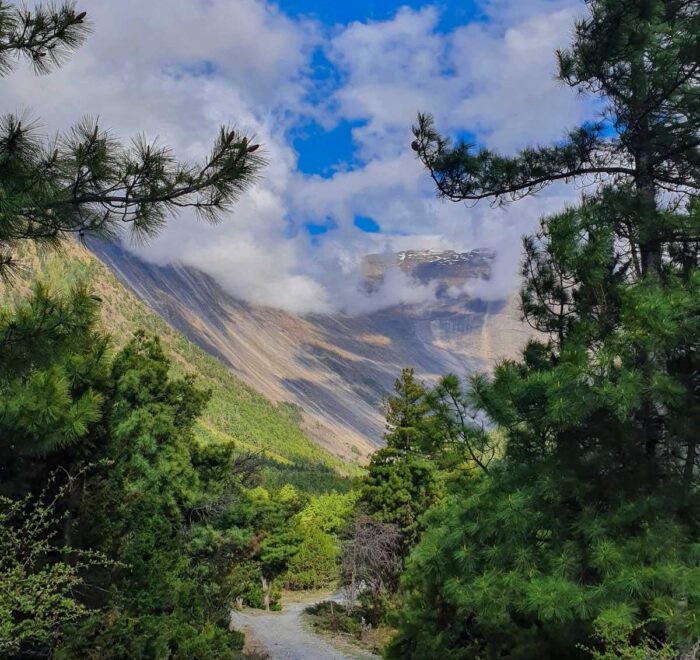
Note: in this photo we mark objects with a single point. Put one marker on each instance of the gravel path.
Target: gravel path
(284, 636)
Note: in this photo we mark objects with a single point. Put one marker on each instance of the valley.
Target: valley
(269, 384)
(337, 369)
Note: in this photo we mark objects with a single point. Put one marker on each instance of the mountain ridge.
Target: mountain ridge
(337, 368)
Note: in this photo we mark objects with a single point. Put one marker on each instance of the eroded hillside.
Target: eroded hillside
(338, 368)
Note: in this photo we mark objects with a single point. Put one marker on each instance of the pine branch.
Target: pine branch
(87, 182)
(45, 35)
(460, 174)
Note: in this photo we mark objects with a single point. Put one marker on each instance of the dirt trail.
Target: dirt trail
(284, 635)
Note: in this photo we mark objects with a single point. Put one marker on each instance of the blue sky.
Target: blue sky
(335, 12)
(330, 89)
(323, 150)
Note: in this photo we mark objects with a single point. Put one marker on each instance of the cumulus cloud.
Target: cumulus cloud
(494, 78)
(178, 68)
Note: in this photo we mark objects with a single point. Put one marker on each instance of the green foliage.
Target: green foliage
(54, 376)
(588, 511)
(401, 483)
(177, 517)
(399, 488)
(45, 36)
(142, 556)
(582, 538)
(456, 433)
(618, 639)
(406, 413)
(291, 541)
(639, 57)
(156, 510)
(235, 413)
(328, 512)
(39, 577)
(315, 562)
(526, 568)
(332, 618)
(53, 366)
(293, 411)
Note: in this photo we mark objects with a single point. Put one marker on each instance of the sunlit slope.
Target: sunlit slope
(236, 411)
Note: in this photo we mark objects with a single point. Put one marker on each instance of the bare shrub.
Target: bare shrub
(371, 559)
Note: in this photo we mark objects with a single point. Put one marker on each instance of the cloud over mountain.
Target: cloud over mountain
(178, 68)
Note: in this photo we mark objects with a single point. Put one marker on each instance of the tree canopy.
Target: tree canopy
(582, 538)
(125, 533)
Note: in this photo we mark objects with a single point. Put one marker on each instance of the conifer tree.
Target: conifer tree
(401, 483)
(54, 372)
(583, 540)
(141, 512)
(406, 414)
(63, 405)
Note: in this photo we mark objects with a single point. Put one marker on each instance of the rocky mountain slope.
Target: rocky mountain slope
(338, 368)
(448, 267)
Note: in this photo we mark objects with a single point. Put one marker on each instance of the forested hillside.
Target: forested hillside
(563, 493)
(548, 508)
(222, 485)
(236, 413)
(338, 367)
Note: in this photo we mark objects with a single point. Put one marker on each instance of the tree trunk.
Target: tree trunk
(689, 468)
(650, 244)
(267, 587)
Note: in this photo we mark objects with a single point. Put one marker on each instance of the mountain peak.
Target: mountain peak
(426, 265)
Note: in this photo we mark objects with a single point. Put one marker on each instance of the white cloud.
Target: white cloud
(494, 78)
(513, 99)
(178, 69)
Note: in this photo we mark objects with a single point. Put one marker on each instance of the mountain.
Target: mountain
(448, 267)
(236, 412)
(337, 368)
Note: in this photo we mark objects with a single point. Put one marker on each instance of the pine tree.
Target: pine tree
(148, 512)
(84, 181)
(584, 538)
(401, 483)
(156, 500)
(641, 58)
(406, 414)
(54, 378)
(54, 373)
